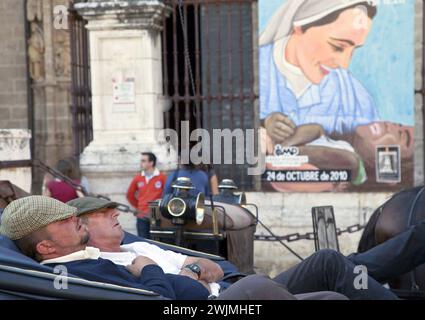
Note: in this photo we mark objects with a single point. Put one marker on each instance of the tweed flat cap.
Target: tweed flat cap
(26, 215)
(91, 204)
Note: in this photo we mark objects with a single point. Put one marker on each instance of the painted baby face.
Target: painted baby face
(368, 137)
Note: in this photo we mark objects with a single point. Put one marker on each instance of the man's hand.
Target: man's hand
(138, 264)
(210, 271)
(187, 273)
(279, 127)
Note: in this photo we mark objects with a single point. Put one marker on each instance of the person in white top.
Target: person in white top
(106, 234)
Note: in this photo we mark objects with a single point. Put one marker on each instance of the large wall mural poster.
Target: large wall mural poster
(337, 94)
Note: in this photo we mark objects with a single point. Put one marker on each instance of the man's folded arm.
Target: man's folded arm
(151, 278)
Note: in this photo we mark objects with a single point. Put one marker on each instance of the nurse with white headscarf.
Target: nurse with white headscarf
(305, 53)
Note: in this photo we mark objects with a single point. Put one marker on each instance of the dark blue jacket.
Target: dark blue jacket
(152, 278)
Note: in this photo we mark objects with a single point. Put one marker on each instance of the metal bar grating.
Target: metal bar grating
(220, 54)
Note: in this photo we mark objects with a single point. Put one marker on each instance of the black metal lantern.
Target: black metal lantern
(180, 205)
(227, 194)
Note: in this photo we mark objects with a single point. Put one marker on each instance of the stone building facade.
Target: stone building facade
(13, 74)
(47, 83)
(49, 69)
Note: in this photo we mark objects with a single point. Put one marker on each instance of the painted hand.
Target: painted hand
(279, 127)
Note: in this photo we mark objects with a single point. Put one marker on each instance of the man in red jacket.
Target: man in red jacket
(146, 186)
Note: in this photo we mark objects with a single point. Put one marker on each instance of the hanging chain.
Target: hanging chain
(351, 229)
(187, 57)
(309, 235)
(289, 238)
(186, 47)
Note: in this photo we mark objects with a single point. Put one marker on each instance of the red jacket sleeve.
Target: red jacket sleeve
(131, 193)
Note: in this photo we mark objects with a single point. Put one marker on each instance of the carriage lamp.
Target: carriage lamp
(180, 206)
(227, 188)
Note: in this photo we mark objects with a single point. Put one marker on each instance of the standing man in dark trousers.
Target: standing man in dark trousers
(145, 187)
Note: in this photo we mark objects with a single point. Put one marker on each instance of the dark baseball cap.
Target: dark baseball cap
(91, 204)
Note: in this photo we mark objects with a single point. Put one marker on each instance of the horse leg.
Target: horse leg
(368, 241)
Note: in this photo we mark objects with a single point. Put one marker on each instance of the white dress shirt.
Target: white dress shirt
(169, 261)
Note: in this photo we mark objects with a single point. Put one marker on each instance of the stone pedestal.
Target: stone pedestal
(126, 77)
(14, 146)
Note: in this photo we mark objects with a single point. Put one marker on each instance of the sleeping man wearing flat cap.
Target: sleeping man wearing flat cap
(50, 232)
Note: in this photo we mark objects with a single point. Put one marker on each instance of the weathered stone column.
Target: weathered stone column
(126, 77)
(49, 63)
(14, 146)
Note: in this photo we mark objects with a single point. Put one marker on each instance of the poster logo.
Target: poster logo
(388, 164)
(286, 151)
(286, 157)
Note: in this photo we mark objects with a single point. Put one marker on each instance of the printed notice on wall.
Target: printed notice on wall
(123, 94)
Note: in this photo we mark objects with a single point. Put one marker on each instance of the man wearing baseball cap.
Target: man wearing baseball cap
(106, 234)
